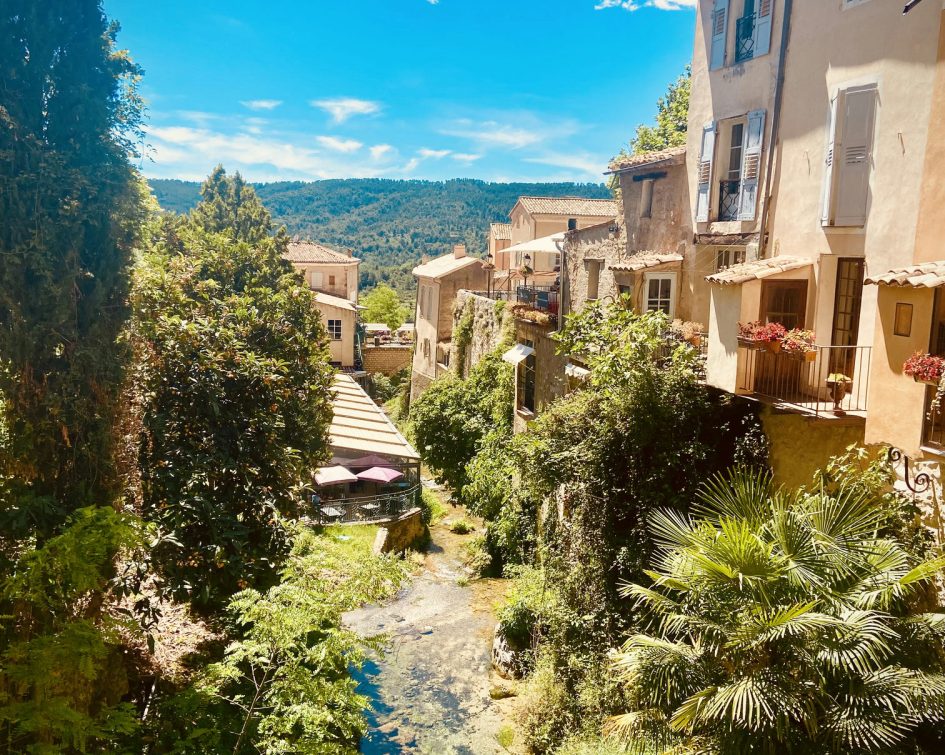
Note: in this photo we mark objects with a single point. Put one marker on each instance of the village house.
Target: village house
(438, 281)
(333, 276)
(833, 130)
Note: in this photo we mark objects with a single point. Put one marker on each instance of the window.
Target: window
(334, 329)
(331, 280)
(660, 293)
(849, 156)
(725, 258)
(933, 430)
(785, 302)
(557, 260)
(593, 278)
(731, 184)
(752, 32)
(740, 146)
(526, 377)
(316, 279)
(646, 199)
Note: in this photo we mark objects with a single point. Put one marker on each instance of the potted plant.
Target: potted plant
(759, 335)
(924, 368)
(690, 332)
(799, 344)
(839, 384)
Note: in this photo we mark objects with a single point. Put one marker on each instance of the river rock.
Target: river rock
(509, 663)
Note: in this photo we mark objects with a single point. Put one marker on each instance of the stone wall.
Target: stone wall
(387, 359)
(401, 533)
(550, 380)
(490, 320)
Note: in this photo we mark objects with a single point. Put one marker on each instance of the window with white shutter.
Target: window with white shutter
(705, 173)
(751, 165)
(849, 157)
(719, 21)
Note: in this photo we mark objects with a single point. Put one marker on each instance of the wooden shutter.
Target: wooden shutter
(762, 32)
(719, 22)
(705, 173)
(826, 215)
(751, 165)
(853, 156)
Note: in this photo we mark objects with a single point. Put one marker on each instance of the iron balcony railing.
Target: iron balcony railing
(374, 508)
(745, 38)
(828, 381)
(729, 193)
(542, 298)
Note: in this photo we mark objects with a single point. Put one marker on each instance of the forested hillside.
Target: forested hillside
(389, 224)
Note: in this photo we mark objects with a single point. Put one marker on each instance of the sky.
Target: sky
(501, 90)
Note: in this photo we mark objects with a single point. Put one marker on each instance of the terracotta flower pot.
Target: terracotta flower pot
(802, 356)
(773, 346)
(927, 381)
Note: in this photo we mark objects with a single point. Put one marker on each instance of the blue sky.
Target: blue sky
(502, 90)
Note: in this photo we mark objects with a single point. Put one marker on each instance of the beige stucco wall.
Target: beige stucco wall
(341, 351)
(346, 278)
(425, 329)
(528, 227)
(931, 222)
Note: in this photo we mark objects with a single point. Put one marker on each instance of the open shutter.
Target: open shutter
(762, 31)
(751, 165)
(719, 27)
(826, 216)
(853, 157)
(705, 172)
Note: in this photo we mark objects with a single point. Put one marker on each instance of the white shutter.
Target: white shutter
(853, 157)
(704, 172)
(751, 165)
(826, 215)
(762, 31)
(719, 20)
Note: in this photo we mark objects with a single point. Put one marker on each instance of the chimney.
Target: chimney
(459, 251)
(572, 224)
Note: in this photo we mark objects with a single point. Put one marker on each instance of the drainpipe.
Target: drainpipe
(775, 126)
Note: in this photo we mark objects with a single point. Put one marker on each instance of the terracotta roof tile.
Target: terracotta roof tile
(925, 275)
(311, 251)
(570, 206)
(643, 260)
(758, 269)
(670, 154)
(500, 231)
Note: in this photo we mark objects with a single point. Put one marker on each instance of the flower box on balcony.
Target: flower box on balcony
(751, 343)
(761, 336)
(799, 344)
(924, 368)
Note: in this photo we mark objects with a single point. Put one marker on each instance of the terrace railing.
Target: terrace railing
(374, 508)
(800, 381)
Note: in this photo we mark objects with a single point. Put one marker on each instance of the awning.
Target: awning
(380, 474)
(576, 372)
(517, 353)
(926, 275)
(758, 269)
(334, 476)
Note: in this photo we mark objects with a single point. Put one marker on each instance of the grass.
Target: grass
(461, 527)
(432, 503)
(505, 736)
(357, 538)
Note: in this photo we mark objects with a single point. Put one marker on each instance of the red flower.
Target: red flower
(924, 367)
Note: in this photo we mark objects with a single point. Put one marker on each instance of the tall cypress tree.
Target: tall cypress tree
(69, 117)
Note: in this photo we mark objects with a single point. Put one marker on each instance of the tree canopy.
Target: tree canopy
(672, 117)
(381, 304)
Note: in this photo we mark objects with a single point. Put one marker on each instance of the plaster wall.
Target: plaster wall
(342, 351)
(931, 222)
(345, 277)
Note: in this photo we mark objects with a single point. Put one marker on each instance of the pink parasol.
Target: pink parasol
(380, 474)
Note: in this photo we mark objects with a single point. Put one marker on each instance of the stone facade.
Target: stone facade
(387, 359)
(402, 533)
(491, 319)
(550, 380)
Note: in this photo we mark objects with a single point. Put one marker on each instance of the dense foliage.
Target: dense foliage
(672, 120)
(381, 304)
(233, 372)
(389, 224)
(785, 623)
(69, 203)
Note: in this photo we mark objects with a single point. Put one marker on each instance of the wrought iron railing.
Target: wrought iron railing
(373, 508)
(745, 38)
(827, 381)
(729, 193)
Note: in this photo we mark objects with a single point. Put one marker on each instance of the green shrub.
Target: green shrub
(431, 506)
(461, 527)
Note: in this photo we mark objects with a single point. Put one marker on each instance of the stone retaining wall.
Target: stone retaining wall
(387, 359)
(490, 321)
(401, 533)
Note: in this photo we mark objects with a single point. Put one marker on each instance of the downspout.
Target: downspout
(775, 126)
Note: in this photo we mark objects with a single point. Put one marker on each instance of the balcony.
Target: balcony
(729, 194)
(799, 381)
(374, 508)
(745, 38)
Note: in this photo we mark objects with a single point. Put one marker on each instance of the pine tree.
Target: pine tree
(230, 205)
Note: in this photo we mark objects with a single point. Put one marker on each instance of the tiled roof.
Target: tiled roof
(670, 154)
(500, 231)
(570, 206)
(311, 251)
(643, 260)
(926, 275)
(445, 265)
(758, 269)
(360, 426)
(335, 301)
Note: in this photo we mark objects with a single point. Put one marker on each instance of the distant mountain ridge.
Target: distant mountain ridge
(388, 223)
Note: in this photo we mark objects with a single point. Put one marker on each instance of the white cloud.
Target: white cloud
(261, 104)
(494, 134)
(342, 108)
(583, 163)
(465, 157)
(411, 165)
(379, 150)
(434, 2)
(339, 145)
(255, 125)
(633, 5)
(435, 154)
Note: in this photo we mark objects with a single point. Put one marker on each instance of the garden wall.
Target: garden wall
(472, 340)
(401, 533)
(387, 359)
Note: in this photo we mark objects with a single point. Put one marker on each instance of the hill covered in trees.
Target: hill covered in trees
(390, 224)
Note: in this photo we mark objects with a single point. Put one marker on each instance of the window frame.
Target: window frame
(526, 380)
(646, 197)
(672, 277)
(335, 328)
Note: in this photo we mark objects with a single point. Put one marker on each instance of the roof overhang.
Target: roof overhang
(746, 272)
(643, 261)
(517, 354)
(924, 275)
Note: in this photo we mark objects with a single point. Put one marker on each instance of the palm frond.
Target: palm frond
(743, 494)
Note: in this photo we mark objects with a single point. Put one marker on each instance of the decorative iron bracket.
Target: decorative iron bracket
(920, 483)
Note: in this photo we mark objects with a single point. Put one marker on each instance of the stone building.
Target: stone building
(438, 282)
(333, 275)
